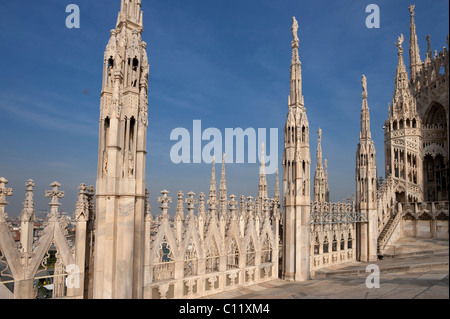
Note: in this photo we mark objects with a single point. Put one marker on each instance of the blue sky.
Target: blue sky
(223, 62)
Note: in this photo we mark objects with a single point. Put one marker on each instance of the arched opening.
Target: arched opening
(400, 197)
(334, 244)
(350, 241)
(325, 245)
(134, 72)
(435, 178)
(303, 134)
(233, 255)
(435, 116)
(342, 242)
(316, 246)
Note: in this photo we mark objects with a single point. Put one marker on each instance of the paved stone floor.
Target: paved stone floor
(409, 275)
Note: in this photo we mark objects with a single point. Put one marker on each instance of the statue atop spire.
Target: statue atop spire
(295, 29)
(364, 86)
(295, 98)
(399, 43)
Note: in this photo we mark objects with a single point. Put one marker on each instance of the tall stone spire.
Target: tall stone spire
(27, 219)
(403, 128)
(296, 176)
(296, 97)
(327, 189)
(414, 54)
(365, 117)
(28, 205)
(401, 103)
(320, 187)
(223, 190)
(366, 185)
(429, 54)
(277, 189)
(319, 149)
(212, 187)
(120, 191)
(262, 186)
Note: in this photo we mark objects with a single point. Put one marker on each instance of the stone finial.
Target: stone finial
(4, 191)
(201, 204)
(212, 203)
(180, 207)
(28, 204)
(164, 200)
(54, 194)
(250, 204)
(428, 46)
(82, 205)
(191, 201)
(148, 213)
(411, 9)
(232, 203)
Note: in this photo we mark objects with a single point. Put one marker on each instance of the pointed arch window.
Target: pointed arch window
(325, 245)
(212, 258)
(250, 260)
(350, 241)
(316, 246)
(164, 262)
(334, 244)
(342, 243)
(190, 260)
(233, 255)
(266, 251)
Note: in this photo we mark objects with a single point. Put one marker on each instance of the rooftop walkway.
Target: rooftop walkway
(412, 269)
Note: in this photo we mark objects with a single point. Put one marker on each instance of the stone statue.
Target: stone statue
(105, 164)
(400, 42)
(294, 28)
(130, 165)
(320, 134)
(364, 86)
